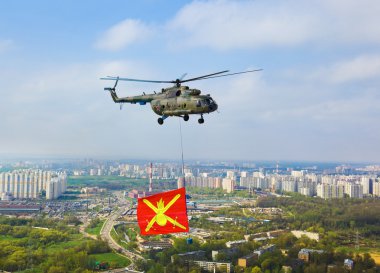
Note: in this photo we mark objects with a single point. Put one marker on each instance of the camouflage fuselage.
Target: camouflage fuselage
(174, 101)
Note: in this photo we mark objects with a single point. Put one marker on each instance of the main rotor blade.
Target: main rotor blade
(179, 81)
(230, 74)
(205, 76)
(134, 80)
(184, 75)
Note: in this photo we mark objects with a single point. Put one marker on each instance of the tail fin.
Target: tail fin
(114, 95)
(113, 92)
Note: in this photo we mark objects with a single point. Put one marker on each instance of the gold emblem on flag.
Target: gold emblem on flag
(161, 218)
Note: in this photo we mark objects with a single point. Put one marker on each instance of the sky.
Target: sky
(317, 98)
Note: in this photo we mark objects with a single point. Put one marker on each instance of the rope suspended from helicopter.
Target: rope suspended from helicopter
(183, 163)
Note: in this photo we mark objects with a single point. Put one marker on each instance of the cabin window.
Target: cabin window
(198, 103)
(184, 105)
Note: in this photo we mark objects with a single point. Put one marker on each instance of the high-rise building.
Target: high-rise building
(354, 190)
(231, 175)
(289, 186)
(26, 184)
(365, 182)
(228, 185)
(297, 173)
(337, 191)
(376, 188)
(324, 191)
(181, 182)
(244, 174)
(305, 191)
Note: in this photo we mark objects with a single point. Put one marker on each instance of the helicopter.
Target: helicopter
(177, 100)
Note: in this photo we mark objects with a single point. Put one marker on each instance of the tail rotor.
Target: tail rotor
(112, 89)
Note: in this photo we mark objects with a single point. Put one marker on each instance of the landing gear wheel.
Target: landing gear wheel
(160, 121)
(186, 117)
(201, 120)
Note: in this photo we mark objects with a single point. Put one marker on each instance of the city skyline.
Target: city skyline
(316, 99)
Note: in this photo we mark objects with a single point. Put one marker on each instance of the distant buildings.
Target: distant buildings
(339, 182)
(227, 252)
(29, 184)
(199, 258)
(249, 260)
(348, 264)
(305, 254)
(204, 182)
(232, 244)
(17, 209)
(354, 190)
(92, 190)
(311, 235)
(155, 245)
(264, 249)
(308, 184)
(213, 266)
(376, 188)
(228, 185)
(190, 256)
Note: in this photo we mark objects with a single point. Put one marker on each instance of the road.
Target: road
(105, 233)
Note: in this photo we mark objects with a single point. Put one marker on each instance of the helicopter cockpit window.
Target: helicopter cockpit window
(205, 102)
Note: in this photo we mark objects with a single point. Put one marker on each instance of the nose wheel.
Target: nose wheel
(201, 120)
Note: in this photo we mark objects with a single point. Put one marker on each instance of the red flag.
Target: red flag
(163, 213)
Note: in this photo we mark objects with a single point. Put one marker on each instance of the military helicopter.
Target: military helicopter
(177, 100)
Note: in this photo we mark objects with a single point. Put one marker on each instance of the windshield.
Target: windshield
(206, 102)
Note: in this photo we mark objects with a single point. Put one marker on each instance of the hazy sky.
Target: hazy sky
(318, 97)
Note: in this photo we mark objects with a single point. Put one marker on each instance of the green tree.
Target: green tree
(268, 264)
(57, 269)
(256, 269)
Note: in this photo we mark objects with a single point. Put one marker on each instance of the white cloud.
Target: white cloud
(361, 68)
(65, 110)
(227, 25)
(358, 69)
(246, 24)
(350, 21)
(124, 34)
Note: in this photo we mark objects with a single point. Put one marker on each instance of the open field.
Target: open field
(374, 252)
(112, 258)
(96, 230)
(109, 182)
(116, 182)
(75, 240)
(51, 247)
